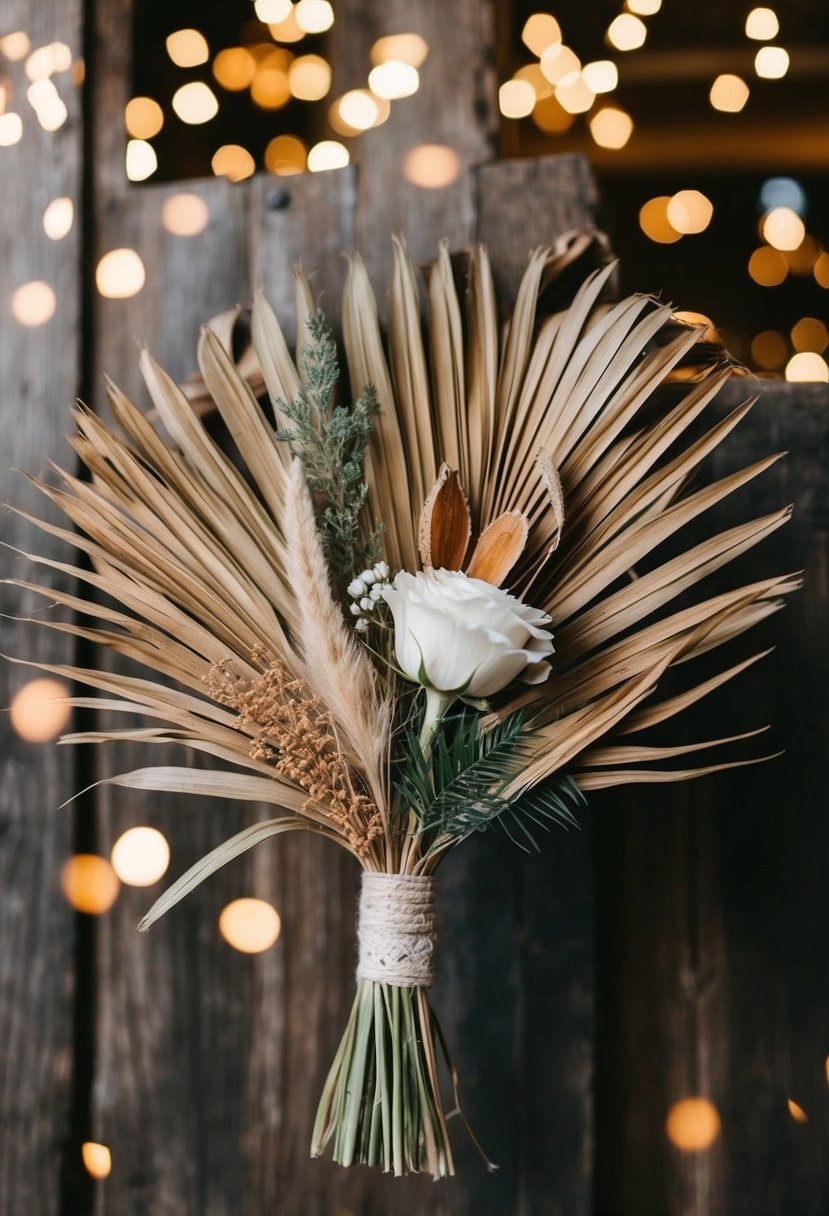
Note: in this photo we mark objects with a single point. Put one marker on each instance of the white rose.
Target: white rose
(464, 637)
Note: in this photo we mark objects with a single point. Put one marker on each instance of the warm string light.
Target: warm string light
(89, 884)
(39, 711)
(120, 274)
(140, 856)
(693, 1124)
(97, 1159)
(185, 214)
(58, 218)
(250, 925)
(431, 166)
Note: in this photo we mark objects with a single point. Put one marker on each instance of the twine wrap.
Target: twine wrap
(397, 929)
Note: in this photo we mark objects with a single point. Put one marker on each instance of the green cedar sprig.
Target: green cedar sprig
(332, 440)
(458, 787)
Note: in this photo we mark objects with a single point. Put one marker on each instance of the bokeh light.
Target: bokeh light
(549, 116)
(559, 62)
(767, 267)
(234, 68)
(288, 30)
(358, 110)
(89, 883)
(58, 218)
(314, 16)
(185, 214)
(97, 1159)
(689, 211)
(644, 8)
(394, 79)
(431, 166)
(309, 77)
(693, 1124)
(144, 117)
(574, 95)
(33, 303)
(820, 270)
(120, 274)
(233, 162)
(250, 925)
(195, 103)
(187, 48)
(11, 129)
(797, 1112)
(769, 349)
(771, 62)
(406, 48)
(783, 228)
(39, 711)
(15, 46)
(532, 73)
(273, 11)
(286, 155)
(602, 76)
(540, 31)
(801, 260)
(627, 32)
(270, 89)
(141, 161)
(611, 127)
(140, 856)
(729, 93)
(516, 98)
(327, 154)
(807, 366)
(654, 222)
(762, 24)
(810, 334)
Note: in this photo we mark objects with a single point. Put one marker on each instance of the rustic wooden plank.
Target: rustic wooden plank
(39, 374)
(712, 976)
(454, 108)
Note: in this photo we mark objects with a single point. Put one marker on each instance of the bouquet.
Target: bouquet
(434, 611)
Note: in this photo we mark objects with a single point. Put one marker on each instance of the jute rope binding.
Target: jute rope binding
(397, 929)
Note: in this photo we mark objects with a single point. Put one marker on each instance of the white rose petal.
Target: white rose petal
(461, 635)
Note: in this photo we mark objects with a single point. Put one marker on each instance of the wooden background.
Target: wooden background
(675, 947)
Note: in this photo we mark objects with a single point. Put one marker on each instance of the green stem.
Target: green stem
(437, 704)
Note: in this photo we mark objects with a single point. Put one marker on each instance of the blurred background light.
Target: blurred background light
(97, 1159)
(144, 117)
(762, 24)
(654, 222)
(729, 93)
(627, 32)
(141, 161)
(286, 155)
(195, 103)
(233, 162)
(120, 274)
(807, 366)
(89, 884)
(689, 211)
(782, 192)
(432, 166)
(783, 228)
(771, 62)
(693, 1124)
(39, 712)
(611, 127)
(188, 48)
(394, 79)
(185, 214)
(140, 856)
(58, 218)
(33, 304)
(250, 925)
(327, 154)
(405, 48)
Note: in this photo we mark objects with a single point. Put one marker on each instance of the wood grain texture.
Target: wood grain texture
(455, 107)
(39, 371)
(712, 914)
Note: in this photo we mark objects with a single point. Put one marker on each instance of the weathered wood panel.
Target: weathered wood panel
(39, 374)
(712, 911)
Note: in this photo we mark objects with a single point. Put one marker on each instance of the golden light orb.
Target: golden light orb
(559, 62)
(234, 68)
(532, 73)
(574, 94)
(58, 218)
(288, 30)
(432, 166)
(405, 48)
(516, 98)
(271, 12)
(769, 349)
(611, 127)
(627, 32)
(549, 117)
(810, 334)
(11, 129)
(767, 267)
(797, 1112)
(97, 1159)
(309, 77)
(141, 160)
(643, 8)
(195, 103)
(729, 93)
(233, 162)
(654, 222)
(120, 274)
(602, 76)
(358, 110)
(89, 883)
(394, 79)
(771, 62)
(250, 925)
(270, 89)
(762, 24)
(15, 46)
(187, 48)
(33, 304)
(540, 31)
(140, 856)
(185, 214)
(314, 16)
(783, 228)
(39, 711)
(143, 117)
(820, 270)
(693, 1124)
(286, 155)
(807, 366)
(689, 211)
(327, 154)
